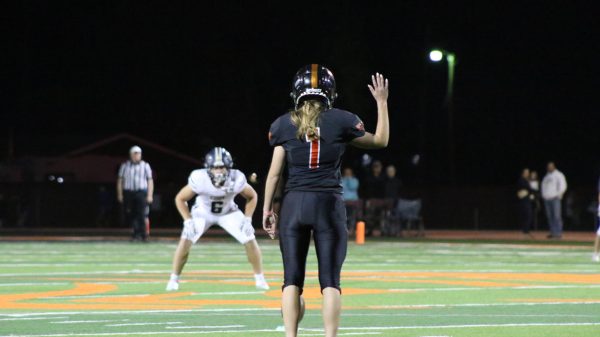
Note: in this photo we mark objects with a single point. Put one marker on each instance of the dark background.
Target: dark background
(190, 75)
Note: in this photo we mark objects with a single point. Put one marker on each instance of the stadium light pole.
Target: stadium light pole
(437, 55)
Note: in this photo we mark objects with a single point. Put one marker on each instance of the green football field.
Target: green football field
(390, 289)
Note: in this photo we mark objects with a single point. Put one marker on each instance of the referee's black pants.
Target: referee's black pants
(135, 212)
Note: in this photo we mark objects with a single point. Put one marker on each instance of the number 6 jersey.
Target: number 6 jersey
(216, 200)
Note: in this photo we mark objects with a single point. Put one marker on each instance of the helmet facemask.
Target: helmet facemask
(218, 175)
(218, 162)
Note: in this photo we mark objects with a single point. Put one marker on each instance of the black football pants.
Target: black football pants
(322, 214)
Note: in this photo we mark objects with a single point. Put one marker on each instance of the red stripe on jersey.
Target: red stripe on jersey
(314, 154)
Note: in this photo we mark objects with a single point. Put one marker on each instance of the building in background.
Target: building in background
(77, 188)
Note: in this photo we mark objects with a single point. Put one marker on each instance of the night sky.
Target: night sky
(191, 75)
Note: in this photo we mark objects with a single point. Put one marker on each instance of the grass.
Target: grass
(390, 289)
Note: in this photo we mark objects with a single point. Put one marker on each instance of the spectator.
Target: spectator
(376, 182)
(596, 256)
(135, 189)
(534, 184)
(350, 186)
(554, 186)
(524, 195)
(392, 183)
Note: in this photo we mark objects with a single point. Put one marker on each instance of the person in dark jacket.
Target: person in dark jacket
(375, 187)
(392, 183)
(524, 196)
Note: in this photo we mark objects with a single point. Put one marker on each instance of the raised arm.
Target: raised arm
(379, 90)
(275, 171)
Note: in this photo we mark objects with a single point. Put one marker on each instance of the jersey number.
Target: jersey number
(216, 206)
(315, 151)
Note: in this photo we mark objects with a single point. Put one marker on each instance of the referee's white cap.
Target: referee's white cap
(135, 149)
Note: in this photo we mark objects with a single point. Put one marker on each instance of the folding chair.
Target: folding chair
(404, 216)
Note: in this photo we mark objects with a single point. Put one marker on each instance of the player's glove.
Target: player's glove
(193, 229)
(247, 228)
(188, 228)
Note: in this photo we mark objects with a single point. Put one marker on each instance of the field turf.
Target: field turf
(390, 289)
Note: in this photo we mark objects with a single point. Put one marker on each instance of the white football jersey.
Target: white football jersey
(216, 200)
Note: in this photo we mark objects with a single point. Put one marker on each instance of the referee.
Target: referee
(134, 189)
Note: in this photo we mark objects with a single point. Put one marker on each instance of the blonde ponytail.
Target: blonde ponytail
(306, 119)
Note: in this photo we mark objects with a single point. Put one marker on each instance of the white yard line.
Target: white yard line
(366, 271)
(146, 333)
(90, 321)
(477, 305)
(586, 286)
(206, 327)
(58, 273)
(238, 310)
(364, 330)
(347, 334)
(460, 315)
(457, 326)
(30, 318)
(144, 323)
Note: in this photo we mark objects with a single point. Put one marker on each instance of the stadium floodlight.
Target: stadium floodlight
(436, 55)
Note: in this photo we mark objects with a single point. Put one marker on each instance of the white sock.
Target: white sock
(259, 277)
(175, 277)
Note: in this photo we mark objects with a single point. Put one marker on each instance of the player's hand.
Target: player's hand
(270, 223)
(149, 199)
(379, 88)
(189, 228)
(247, 227)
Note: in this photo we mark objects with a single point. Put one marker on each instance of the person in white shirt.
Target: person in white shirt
(554, 186)
(214, 188)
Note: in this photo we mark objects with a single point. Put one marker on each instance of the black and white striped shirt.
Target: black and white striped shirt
(135, 175)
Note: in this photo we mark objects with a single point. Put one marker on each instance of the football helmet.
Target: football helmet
(216, 158)
(313, 81)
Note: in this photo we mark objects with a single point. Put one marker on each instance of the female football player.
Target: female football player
(215, 187)
(311, 140)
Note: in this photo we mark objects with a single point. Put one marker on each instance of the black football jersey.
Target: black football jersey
(314, 165)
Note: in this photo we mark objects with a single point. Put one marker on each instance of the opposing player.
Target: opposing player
(311, 140)
(215, 187)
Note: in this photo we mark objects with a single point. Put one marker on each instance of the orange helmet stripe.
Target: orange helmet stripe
(314, 75)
